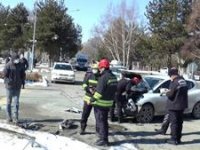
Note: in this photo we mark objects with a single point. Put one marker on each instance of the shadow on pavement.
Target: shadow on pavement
(78, 82)
(139, 141)
(62, 83)
(191, 133)
(135, 134)
(195, 141)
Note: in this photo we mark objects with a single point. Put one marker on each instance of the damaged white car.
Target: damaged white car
(153, 103)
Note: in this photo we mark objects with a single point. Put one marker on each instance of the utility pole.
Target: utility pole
(34, 41)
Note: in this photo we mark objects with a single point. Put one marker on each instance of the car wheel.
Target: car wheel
(146, 114)
(196, 111)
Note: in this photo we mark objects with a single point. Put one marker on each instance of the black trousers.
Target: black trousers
(119, 104)
(86, 113)
(176, 121)
(24, 79)
(101, 116)
(165, 123)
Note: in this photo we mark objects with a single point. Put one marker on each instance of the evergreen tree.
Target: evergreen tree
(4, 11)
(167, 19)
(56, 32)
(16, 27)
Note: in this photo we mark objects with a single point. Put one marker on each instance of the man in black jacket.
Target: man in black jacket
(176, 104)
(102, 100)
(13, 76)
(25, 66)
(8, 58)
(120, 98)
(89, 85)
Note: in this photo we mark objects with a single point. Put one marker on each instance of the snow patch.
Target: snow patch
(15, 138)
(44, 83)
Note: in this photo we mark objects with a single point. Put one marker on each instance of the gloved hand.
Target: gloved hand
(92, 91)
(92, 100)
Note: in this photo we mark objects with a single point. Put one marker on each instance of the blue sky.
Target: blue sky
(90, 11)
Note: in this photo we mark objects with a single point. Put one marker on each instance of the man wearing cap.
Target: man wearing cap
(89, 85)
(176, 104)
(102, 100)
(13, 76)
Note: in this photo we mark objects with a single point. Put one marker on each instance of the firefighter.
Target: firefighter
(176, 104)
(103, 100)
(89, 85)
(119, 98)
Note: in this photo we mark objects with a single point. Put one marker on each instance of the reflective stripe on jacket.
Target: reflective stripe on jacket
(105, 91)
(90, 81)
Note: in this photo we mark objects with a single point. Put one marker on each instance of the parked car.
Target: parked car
(62, 72)
(153, 103)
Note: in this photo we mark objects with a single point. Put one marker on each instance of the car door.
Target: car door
(192, 95)
(161, 99)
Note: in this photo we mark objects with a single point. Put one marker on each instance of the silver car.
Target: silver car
(153, 103)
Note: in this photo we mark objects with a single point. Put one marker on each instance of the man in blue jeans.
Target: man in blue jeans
(13, 76)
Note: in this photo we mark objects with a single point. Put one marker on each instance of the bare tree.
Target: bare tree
(117, 32)
(91, 48)
(192, 45)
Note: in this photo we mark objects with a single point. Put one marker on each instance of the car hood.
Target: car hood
(147, 97)
(67, 72)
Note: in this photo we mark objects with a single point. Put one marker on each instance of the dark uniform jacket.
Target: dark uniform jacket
(89, 84)
(13, 75)
(105, 91)
(121, 88)
(178, 94)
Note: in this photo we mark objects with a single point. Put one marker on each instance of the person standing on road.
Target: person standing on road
(102, 100)
(8, 58)
(120, 98)
(13, 76)
(25, 66)
(176, 104)
(89, 85)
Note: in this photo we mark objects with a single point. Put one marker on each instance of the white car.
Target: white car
(62, 72)
(153, 103)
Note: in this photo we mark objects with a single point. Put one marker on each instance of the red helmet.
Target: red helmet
(104, 63)
(135, 80)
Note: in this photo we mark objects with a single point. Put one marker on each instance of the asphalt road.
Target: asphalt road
(46, 106)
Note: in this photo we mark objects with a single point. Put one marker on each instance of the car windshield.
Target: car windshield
(152, 81)
(62, 67)
(143, 85)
